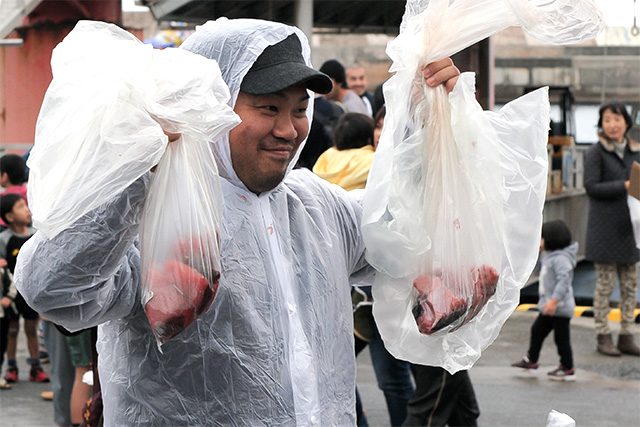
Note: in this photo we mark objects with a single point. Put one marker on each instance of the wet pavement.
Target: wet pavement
(606, 392)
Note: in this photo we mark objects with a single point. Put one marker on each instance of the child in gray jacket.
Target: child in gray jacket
(556, 303)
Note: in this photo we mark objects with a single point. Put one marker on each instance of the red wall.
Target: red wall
(25, 71)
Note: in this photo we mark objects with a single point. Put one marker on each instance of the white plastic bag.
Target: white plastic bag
(101, 127)
(634, 213)
(559, 419)
(179, 242)
(98, 131)
(453, 209)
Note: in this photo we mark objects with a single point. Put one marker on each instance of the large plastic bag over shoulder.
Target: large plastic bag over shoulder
(634, 214)
(453, 208)
(98, 131)
(102, 126)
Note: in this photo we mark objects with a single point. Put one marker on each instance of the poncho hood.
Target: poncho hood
(235, 45)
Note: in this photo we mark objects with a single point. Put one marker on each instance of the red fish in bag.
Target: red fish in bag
(196, 253)
(440, 303)
(179, 294)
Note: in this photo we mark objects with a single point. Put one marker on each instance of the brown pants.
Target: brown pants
(606, 274)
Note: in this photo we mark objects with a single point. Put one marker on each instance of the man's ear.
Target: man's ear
(9, 216)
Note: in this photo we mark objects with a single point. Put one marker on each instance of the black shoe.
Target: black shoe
(525, 364)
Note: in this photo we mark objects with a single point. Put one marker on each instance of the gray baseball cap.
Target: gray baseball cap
(281, 66)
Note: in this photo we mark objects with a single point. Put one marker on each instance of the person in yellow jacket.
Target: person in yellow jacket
(347, 163)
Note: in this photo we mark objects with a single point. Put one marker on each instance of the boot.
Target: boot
(627, 346)
(605, 345)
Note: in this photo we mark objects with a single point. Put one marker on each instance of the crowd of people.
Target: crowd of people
(70, 357)
(277, 345)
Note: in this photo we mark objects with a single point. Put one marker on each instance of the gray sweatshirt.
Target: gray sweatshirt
(556, 278)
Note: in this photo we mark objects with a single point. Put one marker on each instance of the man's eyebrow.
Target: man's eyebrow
(283, 95)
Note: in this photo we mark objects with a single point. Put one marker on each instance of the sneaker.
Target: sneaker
(561, 374)
(38, 375)
(12, 374)
(4, 385)
(44, 356)
(525, 364)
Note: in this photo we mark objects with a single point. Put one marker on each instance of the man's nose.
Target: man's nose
(284, 127)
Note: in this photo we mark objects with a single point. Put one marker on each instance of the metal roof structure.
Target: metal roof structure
(12, 12)
(352, 16)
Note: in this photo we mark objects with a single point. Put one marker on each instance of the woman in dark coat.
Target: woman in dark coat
(610, 240)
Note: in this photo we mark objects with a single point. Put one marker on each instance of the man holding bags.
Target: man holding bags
(276, 345)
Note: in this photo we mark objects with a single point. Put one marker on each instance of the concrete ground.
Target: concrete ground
(606, 392)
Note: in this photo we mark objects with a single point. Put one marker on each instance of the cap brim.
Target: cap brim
(279, 77)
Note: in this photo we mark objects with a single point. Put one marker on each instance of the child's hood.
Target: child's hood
(570, 252)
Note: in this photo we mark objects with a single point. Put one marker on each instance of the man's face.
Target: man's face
(273, 127)
(357, 80)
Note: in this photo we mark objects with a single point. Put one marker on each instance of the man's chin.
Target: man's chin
(266, 183)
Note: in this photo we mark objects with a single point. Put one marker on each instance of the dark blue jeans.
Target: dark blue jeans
(394, 380)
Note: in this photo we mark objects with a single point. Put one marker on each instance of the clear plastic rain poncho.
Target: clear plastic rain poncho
(276, 345)
(453, 208)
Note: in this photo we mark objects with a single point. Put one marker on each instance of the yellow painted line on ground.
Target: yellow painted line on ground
(582, 311)
(527, 307)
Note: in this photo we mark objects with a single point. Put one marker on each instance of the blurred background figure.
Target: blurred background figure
(341, 92)
(442, 399)
(358, 82)
(79, 345)
(15, 213)
(8, 293)
(610, 240)
(556, 304)
(347, 163)
(325, 118)
(378, 123)
(13, 177)
(62, 373)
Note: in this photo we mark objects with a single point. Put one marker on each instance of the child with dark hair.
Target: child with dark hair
(555, 301)
(13, 175)
(347, 163)
(16, 214)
